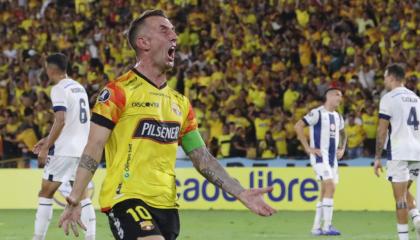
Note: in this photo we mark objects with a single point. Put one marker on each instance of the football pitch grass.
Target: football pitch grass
(232, 225)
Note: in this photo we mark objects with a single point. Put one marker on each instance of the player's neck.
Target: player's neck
(152, 73)
(329, 108)
(396, 85)
(58, 78)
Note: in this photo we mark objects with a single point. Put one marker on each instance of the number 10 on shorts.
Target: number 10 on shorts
(140, 213)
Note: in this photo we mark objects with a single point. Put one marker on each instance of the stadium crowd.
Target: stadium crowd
(251, 69)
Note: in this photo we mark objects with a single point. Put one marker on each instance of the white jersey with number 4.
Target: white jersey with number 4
(70, 96)
(401, 107)
(324, 134)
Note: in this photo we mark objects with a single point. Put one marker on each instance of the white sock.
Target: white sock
(402, 231)
(88, 218)
(42, 218)
(318, 216)
(327, 211)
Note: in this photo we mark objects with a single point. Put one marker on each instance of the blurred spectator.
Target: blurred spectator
(238, 119)
(290, 97)
(267, 147)
(224, 142)
(355, 136)
(370, 122)
(215, 125)
(238, 146)
(262, 124)
(279, 136)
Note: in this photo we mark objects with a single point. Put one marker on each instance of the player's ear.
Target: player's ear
(143, 43)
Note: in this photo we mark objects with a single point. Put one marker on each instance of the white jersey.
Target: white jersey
(70, 96)
(401, 107)
(324, 134)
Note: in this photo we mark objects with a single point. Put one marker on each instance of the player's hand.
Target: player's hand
(42, 156)
(377, 166)
(38, 146)
(314, 151)
(253, 199)
(340, 153)
(71, 217)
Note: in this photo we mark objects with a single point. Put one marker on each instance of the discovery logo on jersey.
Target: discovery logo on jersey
(145, 104)
(161, 132)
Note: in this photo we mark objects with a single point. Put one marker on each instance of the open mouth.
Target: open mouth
(171, 53)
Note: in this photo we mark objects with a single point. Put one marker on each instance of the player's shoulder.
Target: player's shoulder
(66, 83)
(126, 80)
(317, 109)
(58, 87)
(121, 85)
(177, 95)
(387, 95)
(411, 93)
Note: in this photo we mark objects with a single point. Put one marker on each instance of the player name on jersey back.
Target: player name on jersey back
(401, 107)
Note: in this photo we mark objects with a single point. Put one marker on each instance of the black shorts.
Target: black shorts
(133, 218)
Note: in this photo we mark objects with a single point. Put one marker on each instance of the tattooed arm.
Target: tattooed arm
(209, 167)
(380, 142)
(342, 144)
(343, 139)
(89, 161)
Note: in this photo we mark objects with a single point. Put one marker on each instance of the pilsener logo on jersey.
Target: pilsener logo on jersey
(162, 132)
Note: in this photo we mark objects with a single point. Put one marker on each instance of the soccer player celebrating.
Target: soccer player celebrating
(328, 141)
(399, 123)
(140, 121)
(64, 144)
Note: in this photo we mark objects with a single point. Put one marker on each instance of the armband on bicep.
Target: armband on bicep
(192, 141)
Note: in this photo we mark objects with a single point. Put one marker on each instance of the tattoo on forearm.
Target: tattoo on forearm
(211, 176)
(380, 141)
(210, 168)
(342, 140)
(88, 163)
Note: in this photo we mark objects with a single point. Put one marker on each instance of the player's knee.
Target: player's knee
(151, 238)
(329, 188)
(47, 190)
(46, 193)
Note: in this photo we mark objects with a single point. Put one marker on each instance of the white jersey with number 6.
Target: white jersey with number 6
(70, 96)
(401, 107)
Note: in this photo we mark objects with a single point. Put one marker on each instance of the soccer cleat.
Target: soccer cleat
(316, 232)
(416, 222)
(331, 231)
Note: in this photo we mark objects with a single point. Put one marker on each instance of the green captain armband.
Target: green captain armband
(192, 141)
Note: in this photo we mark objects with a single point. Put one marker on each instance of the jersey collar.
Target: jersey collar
(147, 79)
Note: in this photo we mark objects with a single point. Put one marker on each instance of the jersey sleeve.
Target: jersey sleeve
(58, 99)
(385, 108)
(189, 138)
(311, 118)
(109, 106)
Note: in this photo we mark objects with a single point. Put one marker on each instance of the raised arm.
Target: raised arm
(210, 168)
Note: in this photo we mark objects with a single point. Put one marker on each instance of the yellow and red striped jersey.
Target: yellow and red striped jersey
(147, 123)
